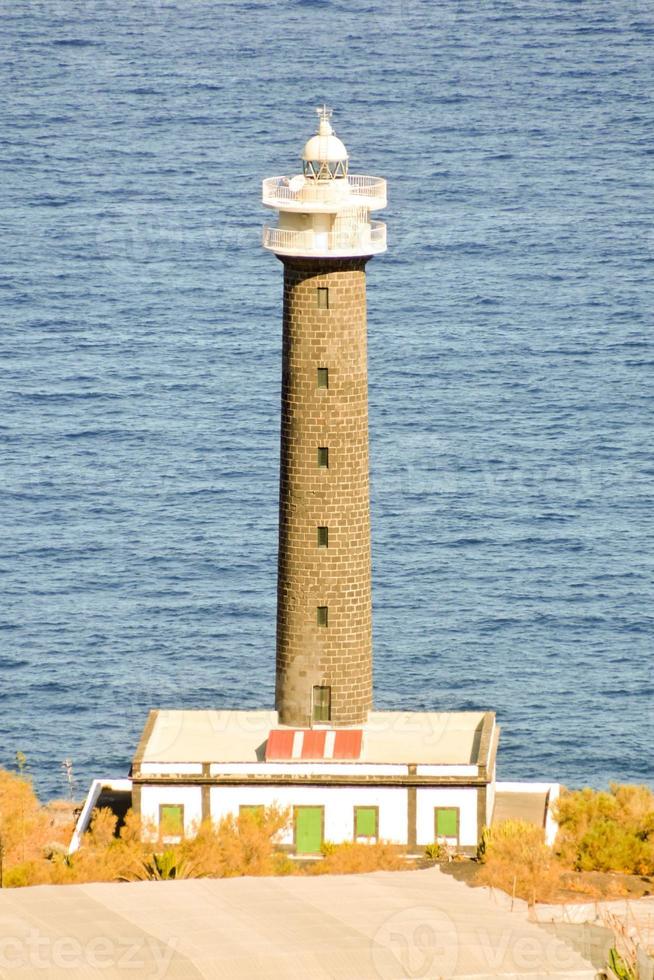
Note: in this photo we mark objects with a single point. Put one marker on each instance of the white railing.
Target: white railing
(283, 239)
(367, 186)
(355, 240)
(279, 189)
(378, 232)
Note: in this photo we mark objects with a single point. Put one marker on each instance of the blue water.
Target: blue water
(511, 356)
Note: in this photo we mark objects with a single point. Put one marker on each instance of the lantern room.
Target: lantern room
(325, 210)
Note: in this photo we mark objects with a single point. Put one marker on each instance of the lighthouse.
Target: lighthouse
(324, 236)
(344, 771)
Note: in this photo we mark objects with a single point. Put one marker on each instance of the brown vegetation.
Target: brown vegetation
(604, 849)
(611, 831)
(236, 846)
(518, 861)
(600, 832)
(243, 845)
(28, 833)
(34, 853)
(356, 858)
(23, 825)
(103, 857)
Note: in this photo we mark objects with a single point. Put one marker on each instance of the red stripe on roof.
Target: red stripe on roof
(279, 747)
(313, 745)
(279, 744)
(347, 745)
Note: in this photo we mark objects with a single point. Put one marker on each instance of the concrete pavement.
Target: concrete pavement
(386, 925)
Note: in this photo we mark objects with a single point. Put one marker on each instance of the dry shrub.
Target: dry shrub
(31, 835)
(607, 846)
(607, 831)
(517, 860)
(586, 885)
(103, 856)
(61, 816)
(282, 865)
(355, 858)
(96, 860)
(36, 872)
(243, 845)
(236, 846)
(24, 827)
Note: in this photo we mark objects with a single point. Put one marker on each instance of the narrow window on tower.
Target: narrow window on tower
(323, 298)
(322, 616)
(323, 537)
(323, 457)
(322, 704)
(323, 377)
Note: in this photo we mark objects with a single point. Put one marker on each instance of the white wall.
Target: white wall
(464, 798)
(429, 770)
(338, 801)
(172, 768)
(551, 825)
(190, 796)
(306, 769)
(490, 802)
(554, 790)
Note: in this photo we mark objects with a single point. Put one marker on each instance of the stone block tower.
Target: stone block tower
(324, 238)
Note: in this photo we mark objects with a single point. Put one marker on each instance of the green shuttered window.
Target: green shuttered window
(365, 821)
(171, 820)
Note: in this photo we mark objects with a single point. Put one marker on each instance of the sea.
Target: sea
(511, 359)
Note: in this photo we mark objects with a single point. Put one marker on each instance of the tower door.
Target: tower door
(308, 829)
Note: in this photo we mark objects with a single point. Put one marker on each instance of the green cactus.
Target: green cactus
(165, 867)
(482, 846)
(619, 967)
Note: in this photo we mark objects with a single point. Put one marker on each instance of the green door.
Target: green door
(308, 829)
(447, 824)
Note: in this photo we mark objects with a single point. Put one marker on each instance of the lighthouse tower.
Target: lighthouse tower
(324, 237)
(347, 772)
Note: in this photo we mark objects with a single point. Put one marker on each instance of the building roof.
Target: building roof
(460, 738)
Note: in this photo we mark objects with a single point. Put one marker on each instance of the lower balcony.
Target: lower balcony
(366, 239)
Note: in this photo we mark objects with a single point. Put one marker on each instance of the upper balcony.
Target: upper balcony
(364, 239)
(314, 196)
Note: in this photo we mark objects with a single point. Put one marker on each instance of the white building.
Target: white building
(407, 778)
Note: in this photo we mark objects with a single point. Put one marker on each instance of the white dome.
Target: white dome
(324, 156)
(324, 148)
